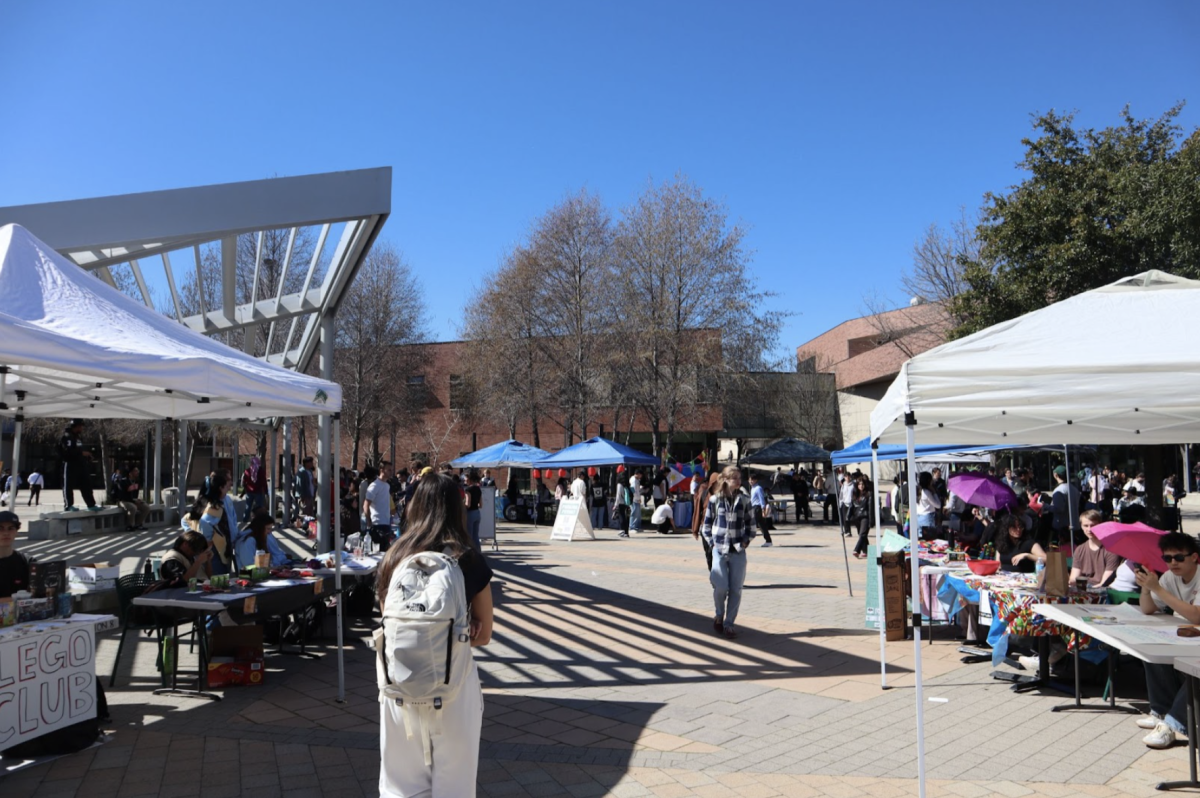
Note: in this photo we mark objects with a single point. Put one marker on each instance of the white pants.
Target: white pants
(402, 770)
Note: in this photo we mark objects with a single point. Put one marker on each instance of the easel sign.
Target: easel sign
(572, 519)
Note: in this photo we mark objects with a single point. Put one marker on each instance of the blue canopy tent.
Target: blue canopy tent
(597, 452)
(506, 454)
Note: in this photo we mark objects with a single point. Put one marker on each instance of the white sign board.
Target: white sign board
(47, 682)
(572, 520)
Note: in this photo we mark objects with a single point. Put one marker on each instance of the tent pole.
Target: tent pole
(842, 535)
(272, 489)
(910, 421)
(326, 480)
(1070, 504)
(879, 566)
(337, 549)
(157, 497)
(288, 471)
(18, 429)
(181, 437)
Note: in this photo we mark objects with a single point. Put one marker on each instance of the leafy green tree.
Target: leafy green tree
(1097, 205)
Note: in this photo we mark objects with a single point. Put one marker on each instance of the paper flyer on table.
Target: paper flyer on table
(1155, 635)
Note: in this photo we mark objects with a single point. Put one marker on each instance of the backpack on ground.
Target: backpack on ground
(424, 645)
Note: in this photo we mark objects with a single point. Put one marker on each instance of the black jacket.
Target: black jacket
(70, 449)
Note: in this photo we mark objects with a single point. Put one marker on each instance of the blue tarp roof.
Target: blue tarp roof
(860, 452)
(788, 450)
(597, 452)
(506, 454)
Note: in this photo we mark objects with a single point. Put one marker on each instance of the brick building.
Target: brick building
(865, 355)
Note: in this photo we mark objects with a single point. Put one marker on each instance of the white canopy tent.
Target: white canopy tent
(71, 345)
(1041, 378)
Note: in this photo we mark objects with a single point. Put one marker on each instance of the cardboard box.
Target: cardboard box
(893, 595)
(47, 579)
(236, 658)
(8, 612)
(36, 609)
(93, 576)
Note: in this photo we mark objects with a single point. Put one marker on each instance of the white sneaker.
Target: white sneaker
(1032, 664)
(1163, 736)
(1147, 721)
(766, 545)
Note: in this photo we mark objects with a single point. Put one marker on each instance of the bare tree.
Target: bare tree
(570, 257)
(940, 259)
(693, 317)
(810, 408)
(380, 319)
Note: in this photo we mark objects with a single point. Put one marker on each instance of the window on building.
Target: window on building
(458, 392)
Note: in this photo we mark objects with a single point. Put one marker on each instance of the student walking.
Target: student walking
(430, 727)
(36, 483)
(758, 501)
(728, 530)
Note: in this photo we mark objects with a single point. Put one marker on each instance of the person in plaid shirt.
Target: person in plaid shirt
(728, 529)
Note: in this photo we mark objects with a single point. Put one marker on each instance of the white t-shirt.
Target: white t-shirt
(379, 494)
(1185, 591)
(928, 502)
(36, 479)
(1124, 579)
(578, 489)
(662, 513)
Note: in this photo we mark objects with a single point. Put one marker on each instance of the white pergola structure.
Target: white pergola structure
(163, 237)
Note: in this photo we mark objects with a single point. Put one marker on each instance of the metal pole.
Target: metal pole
(910, 421)
(842, 535)
(325, 479)
(288, 470)
(879, 567)
(19, 427)
(181, 436)
(337, 573)
(1070, 504)
(272, 488)
(158, 429)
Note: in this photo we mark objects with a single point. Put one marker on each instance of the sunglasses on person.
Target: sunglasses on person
(1176, 557)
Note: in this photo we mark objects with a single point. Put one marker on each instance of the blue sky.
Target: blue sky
(835, 132)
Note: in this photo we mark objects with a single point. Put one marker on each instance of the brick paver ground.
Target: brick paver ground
(604, 678)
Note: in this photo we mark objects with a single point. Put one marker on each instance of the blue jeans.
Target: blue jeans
(635, 518)
(925, 521)
(598, 517)
(473, 518)
(1167, 694)
(727, 576)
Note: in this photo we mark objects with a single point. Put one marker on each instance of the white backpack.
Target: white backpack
(425, 644)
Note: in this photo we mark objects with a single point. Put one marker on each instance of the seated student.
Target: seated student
(188, 558)
(1015, 547)
(255, 538)
(1126, 577)
(1177, 590)
(14, 566)
(663, 517)
(1092, 561)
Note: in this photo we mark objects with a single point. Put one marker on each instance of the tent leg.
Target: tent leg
(1070, 505)
(18, 429)
(273, 489)
(841, 534)
(158, 430)
(181, 483)
(288, 471)
(915, 563)
(337, 549)
(879, 566)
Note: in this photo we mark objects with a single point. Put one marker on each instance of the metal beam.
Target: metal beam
(141, 283)
(228, 276)
(158, 220)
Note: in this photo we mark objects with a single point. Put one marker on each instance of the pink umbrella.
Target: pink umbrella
(1135, 542)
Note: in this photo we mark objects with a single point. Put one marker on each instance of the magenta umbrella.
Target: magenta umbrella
(982, 490)
(1135, 542)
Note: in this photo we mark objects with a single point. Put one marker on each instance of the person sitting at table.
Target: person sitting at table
(257, 537)
(1092, 561)
(213, 516)
(1177, 590)
(14, 566)
(188, 558)
(1016, 548)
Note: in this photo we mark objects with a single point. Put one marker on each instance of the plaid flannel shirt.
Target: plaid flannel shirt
(727, 522)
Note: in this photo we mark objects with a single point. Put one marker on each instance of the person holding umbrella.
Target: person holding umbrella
(1177, 590)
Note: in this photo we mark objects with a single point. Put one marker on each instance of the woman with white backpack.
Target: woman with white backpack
(435, 597)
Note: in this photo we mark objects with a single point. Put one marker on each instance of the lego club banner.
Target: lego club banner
(47, 682)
